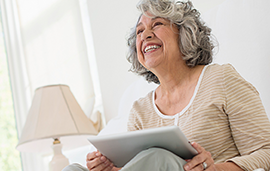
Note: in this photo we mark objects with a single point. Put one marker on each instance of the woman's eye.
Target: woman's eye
(139, 31)
(158, 23)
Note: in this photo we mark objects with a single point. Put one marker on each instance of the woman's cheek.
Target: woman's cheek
(140, 57)
(139, 52)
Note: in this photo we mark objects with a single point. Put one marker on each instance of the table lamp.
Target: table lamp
(55, 116)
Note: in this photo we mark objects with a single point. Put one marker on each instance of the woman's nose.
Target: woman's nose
(147, 34)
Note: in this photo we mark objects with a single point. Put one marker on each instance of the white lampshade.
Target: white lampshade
(55, 113)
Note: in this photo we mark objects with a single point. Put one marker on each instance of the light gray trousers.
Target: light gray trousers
(152, 159)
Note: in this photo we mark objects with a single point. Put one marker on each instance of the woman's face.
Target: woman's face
(156, 42)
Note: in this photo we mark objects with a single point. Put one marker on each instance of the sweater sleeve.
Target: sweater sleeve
(248, 121)
(133, 123)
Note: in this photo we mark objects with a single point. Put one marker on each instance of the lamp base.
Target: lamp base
(59, 161)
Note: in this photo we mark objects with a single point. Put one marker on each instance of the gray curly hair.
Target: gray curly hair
(194, 36)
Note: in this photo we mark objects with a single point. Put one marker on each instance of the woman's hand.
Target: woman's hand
(203, 156)
(95, 161)
(202, 161)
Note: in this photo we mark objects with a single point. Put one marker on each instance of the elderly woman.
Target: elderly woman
(214, 106)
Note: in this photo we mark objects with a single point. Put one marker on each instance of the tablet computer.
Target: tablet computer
(121, 148)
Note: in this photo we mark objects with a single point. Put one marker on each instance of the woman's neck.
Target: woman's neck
(176, 74)
(176, 90)
(179, 78)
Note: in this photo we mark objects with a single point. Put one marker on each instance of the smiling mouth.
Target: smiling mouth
(151, 48)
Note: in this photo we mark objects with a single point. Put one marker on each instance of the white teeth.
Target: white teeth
(150, 48)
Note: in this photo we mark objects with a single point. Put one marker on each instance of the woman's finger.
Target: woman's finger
(196, 162)
(108, 168)
(197, 147)
(98, 160)
(103, 165)
(93, 163)
(91, 156)
(198, 168)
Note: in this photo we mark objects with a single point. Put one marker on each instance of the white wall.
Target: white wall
(110, 23)
(112, 20)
